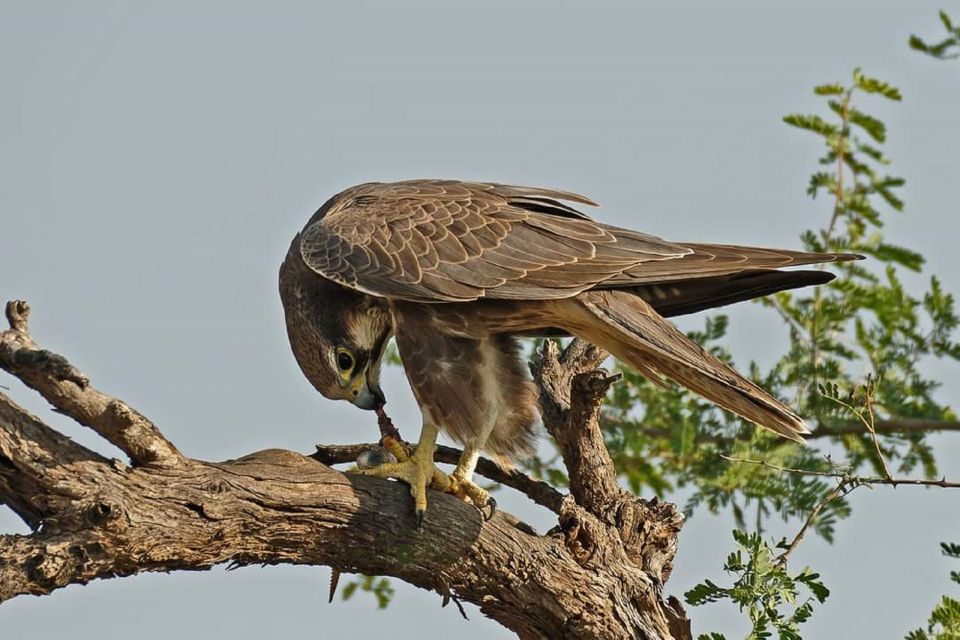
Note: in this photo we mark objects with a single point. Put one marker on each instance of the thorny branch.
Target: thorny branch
(847, 482)
(850, 479)
(868, 420)
(840, 489)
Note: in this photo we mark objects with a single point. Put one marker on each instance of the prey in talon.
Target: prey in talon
(457, 271)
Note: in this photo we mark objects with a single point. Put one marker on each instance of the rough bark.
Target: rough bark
(598, 574)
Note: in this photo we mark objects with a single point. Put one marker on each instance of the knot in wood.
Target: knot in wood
(582, 532)
(101, 513)
(594, 384)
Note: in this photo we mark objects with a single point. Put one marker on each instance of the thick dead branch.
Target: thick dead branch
(593, 478)
(837, 491)
(70, 392)
(31, 455)
(571, 394)
(598, 574)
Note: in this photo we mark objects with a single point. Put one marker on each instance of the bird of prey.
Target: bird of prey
(457, 271)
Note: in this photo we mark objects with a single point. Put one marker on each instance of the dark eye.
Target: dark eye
(344, 361)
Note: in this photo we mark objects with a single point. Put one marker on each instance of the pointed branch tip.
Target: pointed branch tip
(18, 311)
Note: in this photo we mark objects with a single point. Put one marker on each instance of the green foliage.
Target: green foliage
(379, 587)
(876, 318)
(764, 588)
(390, 355)
(867, 320)
(946, 49)
(944, 621)
(872, 85)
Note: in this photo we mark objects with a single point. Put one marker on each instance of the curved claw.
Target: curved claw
(417, 472)
(492, 505)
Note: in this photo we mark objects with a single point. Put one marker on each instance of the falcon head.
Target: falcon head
(338, 335)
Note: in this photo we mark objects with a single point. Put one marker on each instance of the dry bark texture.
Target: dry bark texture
(598, 574)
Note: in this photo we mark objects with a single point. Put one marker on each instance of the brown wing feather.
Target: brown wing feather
(449, 241)
(706, 260)
(446, 241)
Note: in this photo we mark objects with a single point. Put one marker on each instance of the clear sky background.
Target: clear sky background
(157, 157)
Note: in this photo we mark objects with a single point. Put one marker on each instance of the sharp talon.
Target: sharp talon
(492, 504)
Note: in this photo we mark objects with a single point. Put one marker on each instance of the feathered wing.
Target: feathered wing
(447, 241)
(630, 329)
(432, 241)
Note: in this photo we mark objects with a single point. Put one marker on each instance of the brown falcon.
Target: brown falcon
(456, 271)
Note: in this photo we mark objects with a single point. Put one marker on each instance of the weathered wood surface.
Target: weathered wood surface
(598, 574)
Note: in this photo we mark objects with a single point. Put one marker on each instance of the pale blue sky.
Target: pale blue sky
(158, 156)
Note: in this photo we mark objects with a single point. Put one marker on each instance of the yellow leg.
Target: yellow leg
(462, 483)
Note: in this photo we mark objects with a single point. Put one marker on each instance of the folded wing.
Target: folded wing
(447, 241)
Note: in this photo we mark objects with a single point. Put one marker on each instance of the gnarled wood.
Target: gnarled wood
(598, 574)
(67, 389)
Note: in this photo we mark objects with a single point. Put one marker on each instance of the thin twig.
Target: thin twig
(841, 488)
(827, 235)
(850, 479)
(868, 420)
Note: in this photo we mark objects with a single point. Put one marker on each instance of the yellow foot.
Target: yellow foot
(417, 471)
(394, 461)
(468, 491)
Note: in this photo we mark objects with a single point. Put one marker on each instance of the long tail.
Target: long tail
(630, 329)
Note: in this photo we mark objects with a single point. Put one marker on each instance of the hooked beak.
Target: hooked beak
(370, 398)
(365, 391)
(367, 394)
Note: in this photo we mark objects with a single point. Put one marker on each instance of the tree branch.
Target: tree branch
(849, 479)
(889, 426)
(571, 393)
(576, 391)
(70, 392)
(598, 574)
(837, 491)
